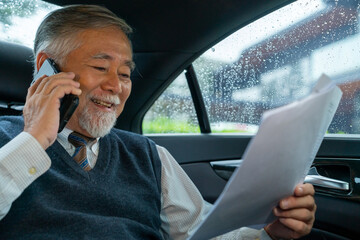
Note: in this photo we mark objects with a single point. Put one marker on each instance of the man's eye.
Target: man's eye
(124, 75)
(102, 69)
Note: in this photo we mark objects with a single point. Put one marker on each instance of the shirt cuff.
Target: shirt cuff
(23, 159)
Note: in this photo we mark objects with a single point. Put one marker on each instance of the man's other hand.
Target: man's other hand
(296, 214)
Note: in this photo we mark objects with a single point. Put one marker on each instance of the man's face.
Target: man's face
(102, 65)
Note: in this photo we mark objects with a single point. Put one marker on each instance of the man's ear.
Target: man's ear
(40, 59)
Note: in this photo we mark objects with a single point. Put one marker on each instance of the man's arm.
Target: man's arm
(183, 207)
(22, 161)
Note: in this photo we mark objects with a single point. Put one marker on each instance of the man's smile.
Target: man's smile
(102, 103)
(105, 102)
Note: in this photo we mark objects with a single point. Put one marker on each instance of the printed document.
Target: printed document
(275, 161)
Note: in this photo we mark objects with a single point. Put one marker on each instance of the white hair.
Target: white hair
(57, 34)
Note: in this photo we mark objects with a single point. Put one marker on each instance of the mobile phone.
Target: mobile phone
(68, 103)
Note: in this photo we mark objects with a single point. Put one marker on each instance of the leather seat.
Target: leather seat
(15, 76)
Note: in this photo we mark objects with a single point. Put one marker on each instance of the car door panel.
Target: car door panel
(210, 159)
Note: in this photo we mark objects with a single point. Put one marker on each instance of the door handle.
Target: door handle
(226, 164)
(225, 168)
(316, 179)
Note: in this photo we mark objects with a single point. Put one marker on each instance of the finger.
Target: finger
(277, 230)
(60, 91)
(51, 85)
(304, 189)
(297, 202)
(34, 86)
(48, 83)
(301, 214)
(299, 228)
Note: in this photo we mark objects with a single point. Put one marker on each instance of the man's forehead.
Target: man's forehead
(103, 36)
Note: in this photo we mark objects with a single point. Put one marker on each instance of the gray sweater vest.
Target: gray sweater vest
(118, 199)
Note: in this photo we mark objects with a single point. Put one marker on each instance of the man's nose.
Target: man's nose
(112, 83)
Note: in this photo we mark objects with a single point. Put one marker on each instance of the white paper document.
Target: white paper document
(275, 161)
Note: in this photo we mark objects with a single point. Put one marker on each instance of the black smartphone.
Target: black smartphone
(68, 103)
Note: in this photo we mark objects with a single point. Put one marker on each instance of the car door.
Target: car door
(208, 115)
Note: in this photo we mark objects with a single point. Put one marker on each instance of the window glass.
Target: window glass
(277, 60)
(173, 112)
(19, 20)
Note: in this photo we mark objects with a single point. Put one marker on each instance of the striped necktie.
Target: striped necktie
(79, 141)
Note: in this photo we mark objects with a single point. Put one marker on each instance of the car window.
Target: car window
(173, 112)
(19, 20)
(277, 60)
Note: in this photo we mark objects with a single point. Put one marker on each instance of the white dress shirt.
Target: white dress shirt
(23, 160)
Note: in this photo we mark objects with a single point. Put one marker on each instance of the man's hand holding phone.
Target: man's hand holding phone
(41, 110)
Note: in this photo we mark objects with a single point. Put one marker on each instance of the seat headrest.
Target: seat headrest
(15, 72)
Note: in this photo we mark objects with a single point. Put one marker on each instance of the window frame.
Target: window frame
(198, 100)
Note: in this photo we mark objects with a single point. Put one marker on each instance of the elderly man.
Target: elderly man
(90, 180)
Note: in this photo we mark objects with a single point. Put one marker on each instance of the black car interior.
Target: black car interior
(15, 72)
(167, 38)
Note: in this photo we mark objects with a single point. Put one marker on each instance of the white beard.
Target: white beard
(98, 123)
